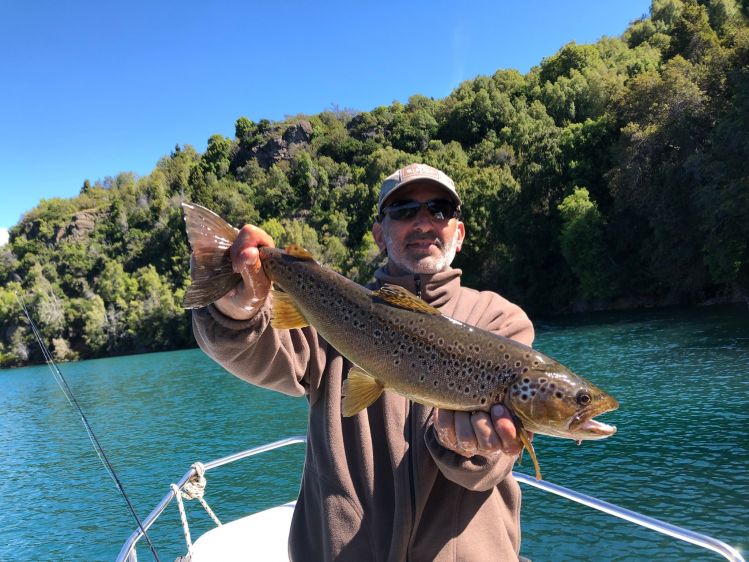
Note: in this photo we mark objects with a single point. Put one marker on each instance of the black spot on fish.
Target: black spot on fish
(559, 394)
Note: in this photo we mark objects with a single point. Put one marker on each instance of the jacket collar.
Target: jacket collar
(436, 289)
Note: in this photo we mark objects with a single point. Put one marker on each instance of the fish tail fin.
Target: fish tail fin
(360, 390)
(528, 444)
(285, 314)
(210, 238)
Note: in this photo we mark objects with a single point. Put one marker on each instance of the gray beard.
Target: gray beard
(426, 265)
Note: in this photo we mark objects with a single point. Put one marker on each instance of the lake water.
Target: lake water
(681, 453)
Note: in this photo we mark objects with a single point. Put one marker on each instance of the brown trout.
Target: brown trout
(398, 342)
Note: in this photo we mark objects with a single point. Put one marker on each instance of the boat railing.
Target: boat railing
(128, 551)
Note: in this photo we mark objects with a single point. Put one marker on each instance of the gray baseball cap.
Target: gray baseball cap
(413, 173)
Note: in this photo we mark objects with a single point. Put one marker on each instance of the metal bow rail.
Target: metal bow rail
(128, 551)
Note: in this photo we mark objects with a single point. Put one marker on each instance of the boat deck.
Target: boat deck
(264, 534)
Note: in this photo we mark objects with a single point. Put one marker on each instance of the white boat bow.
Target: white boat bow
(265, 533)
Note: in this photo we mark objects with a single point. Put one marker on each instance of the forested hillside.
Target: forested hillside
(611, 175)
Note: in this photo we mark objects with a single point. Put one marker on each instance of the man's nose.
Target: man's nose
(423, 219)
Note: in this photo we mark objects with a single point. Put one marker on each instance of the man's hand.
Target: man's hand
(477, 433)
(243, 302)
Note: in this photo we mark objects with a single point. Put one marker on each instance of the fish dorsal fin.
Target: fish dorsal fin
(296, 251)
(360, 390)
(396, 295)
(285, 314)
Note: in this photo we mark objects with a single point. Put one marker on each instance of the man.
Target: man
(398, 481)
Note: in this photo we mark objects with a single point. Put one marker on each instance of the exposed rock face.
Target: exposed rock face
(282, 147)
(83, 222)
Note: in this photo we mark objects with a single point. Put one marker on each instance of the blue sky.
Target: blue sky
(93, 88)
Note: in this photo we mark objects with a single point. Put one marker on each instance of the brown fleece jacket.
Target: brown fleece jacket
(378, 485)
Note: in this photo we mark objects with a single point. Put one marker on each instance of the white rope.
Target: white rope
(183, 516)
(193, 489)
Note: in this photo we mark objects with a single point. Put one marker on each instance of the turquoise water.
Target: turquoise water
(681, 453)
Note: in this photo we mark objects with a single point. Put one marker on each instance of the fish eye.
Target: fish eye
(583, 398)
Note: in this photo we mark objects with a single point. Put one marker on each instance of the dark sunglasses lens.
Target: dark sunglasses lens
(403, 210)
(441, 210)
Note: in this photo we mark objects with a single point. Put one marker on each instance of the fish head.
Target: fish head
(555, 401)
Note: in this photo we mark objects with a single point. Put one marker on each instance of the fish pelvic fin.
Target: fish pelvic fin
(285, 314)
(403, 298)
(210, 238)
(528, 444)
(360, 390)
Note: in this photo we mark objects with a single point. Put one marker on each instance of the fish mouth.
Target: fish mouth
(584, 426)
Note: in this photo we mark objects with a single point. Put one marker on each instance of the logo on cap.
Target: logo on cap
(420, 170)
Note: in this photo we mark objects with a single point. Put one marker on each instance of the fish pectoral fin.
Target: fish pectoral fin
(360, 390)
(298, 252)
(528, 444)
(403, 298)
(285, 314)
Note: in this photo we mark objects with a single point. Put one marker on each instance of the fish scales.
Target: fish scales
(429, 358)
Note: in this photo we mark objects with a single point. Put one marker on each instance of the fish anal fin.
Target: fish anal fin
(528, 444)
(403, 298)
(360, 390)
(285, 314)
(296, 251)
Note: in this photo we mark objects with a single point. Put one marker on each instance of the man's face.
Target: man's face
(422, 244)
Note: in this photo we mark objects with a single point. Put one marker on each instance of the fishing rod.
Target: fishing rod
(68, 392)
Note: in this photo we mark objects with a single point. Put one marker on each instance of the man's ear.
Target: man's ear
(379, 236)
(461, 229)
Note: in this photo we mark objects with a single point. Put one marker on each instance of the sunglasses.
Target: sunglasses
(439, 209)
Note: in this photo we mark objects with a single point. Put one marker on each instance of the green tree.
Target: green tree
(584, 247)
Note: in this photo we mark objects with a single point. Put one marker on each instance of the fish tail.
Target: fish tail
(210, 238)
